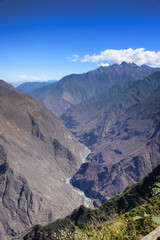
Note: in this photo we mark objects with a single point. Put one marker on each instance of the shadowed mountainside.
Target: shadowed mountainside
(76, 88)
(37, 154)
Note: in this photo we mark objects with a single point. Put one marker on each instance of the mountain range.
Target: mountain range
(92, 120)
(123, 134)
(31, 86)
(37, 155)
(76, 88)
(112, 141)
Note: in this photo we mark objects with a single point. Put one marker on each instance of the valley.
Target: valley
(118, 131)
(114, 219)
(79, 119)
(109, 139)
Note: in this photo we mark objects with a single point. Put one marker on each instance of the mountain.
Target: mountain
(91, 120)
(81, 217)
(31, 86)
(76, 88)
(37, 155)
(85, 119)
(123, 133)
(5, 84)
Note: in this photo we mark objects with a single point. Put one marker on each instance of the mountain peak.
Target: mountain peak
(124, 63)
(131, 64)
(61, 96)
(5, 84)
(144, 65)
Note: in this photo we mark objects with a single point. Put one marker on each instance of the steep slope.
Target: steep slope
(92, 120)
(76, 88)
(133, 196)
(83, 119)
(128, 151)
(31, 86)
(37, 154)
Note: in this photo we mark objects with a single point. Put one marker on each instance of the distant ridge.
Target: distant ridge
(31, 86)
(90, 116)
(76, 88)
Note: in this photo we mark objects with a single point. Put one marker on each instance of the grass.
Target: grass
(130, 215)
(132, 225)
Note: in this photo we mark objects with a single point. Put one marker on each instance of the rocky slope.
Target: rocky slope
(133, 196)
(123, 133)
(76, 88)
(37, 154)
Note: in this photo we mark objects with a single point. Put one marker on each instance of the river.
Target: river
(81, 193)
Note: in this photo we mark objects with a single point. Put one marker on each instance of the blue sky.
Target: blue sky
(48, 39)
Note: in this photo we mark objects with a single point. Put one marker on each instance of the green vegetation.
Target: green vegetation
(156, 189)
(127, 226)
(130, 215)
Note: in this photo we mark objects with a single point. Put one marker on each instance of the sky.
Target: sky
(47, 39)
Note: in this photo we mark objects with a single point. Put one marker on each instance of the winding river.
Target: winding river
(81, 193)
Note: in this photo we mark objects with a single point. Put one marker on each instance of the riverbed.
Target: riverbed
(81, 193)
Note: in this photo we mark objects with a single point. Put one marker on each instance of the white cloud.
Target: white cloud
(26, 77)
(75, 55)
(75, 58)
(139, 56)
(44, 78)
(104, 64)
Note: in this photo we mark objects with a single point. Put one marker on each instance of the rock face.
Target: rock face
(37, 154)
(155, 235)
(76, 88)
(125, 140)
